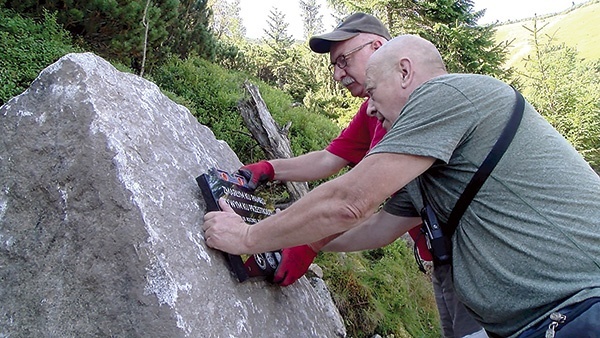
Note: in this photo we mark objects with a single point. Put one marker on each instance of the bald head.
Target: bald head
(424, 58)
(396, 69)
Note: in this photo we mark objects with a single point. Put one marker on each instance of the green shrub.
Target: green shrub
(353, 298)
(215, 92)
(565, 89)
(27, 48)
(382, 291)
(308, 131)
(404, 293)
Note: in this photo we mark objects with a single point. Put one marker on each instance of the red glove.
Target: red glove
(421, 241)
(294, 264)
(257, 173)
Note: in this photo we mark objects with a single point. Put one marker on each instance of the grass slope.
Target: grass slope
(576, 27)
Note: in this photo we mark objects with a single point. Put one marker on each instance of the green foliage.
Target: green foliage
(27, 48)
(465, 46)
(292, 74)
(285, 67)
(229, 56)
(403, 292)
(340, 108)
(575, 27)
(277, 33)
(352, 297)
(308, 130)
(280, 62)
(449, 24)
(226, 21)
(115, 29)
(565, 89)
(382, 291)
(276, 59)
(469, 49)
(215, 92)
(190, 33)
(312, 19)
(226, 25)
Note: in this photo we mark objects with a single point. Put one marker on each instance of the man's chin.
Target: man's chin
(356, 90)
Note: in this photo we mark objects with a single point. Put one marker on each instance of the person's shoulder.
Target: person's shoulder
(460, 77)
(464, 84)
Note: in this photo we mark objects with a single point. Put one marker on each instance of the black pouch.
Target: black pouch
(437, 242)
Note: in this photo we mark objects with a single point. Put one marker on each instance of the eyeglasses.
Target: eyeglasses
(342, 61)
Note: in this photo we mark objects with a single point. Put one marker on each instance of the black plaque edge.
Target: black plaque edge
(212, 204)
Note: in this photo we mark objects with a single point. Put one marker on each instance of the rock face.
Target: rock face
(100, 219)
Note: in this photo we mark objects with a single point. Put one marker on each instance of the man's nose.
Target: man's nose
(338, 73)
(371, 110)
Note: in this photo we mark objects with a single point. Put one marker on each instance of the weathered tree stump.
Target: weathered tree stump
(271, 138)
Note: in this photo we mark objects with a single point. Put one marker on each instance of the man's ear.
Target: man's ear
(405, 70)
(377, 44)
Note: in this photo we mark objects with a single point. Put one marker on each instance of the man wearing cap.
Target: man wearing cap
(350, 45)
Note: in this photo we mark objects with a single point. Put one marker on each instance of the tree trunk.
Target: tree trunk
(272, 139)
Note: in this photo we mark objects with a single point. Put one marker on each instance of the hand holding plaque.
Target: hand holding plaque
(228, 235)
(223, 191)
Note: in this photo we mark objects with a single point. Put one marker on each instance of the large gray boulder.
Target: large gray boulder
(100, 219)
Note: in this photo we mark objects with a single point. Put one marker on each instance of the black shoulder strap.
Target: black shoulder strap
(487, 166)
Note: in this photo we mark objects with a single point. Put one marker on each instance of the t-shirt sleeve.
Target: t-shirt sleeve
(435, 121)
(400, 205)
(355, 141)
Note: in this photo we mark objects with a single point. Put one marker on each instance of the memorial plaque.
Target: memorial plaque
(234, 189)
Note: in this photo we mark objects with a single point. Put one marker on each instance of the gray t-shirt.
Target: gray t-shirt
(529, 242)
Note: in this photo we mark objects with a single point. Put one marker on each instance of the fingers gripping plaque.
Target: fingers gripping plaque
(234, 189)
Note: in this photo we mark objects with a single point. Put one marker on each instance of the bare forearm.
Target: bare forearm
(323, 212)
(320, 244)
(308, 167)
(338, 205)
(377, 231)
(334, 207)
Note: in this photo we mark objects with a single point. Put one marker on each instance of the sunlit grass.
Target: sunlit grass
(577, 28)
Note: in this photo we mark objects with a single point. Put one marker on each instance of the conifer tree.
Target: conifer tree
(451, 25)
(226, 21)
(277, 35)
(312, 19)
(565, 89)
(116, 30)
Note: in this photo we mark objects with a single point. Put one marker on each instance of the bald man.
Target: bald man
(525, 254)
(350, 45)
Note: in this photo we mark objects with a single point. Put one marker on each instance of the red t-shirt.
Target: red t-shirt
(353, 144)
(355, 141)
